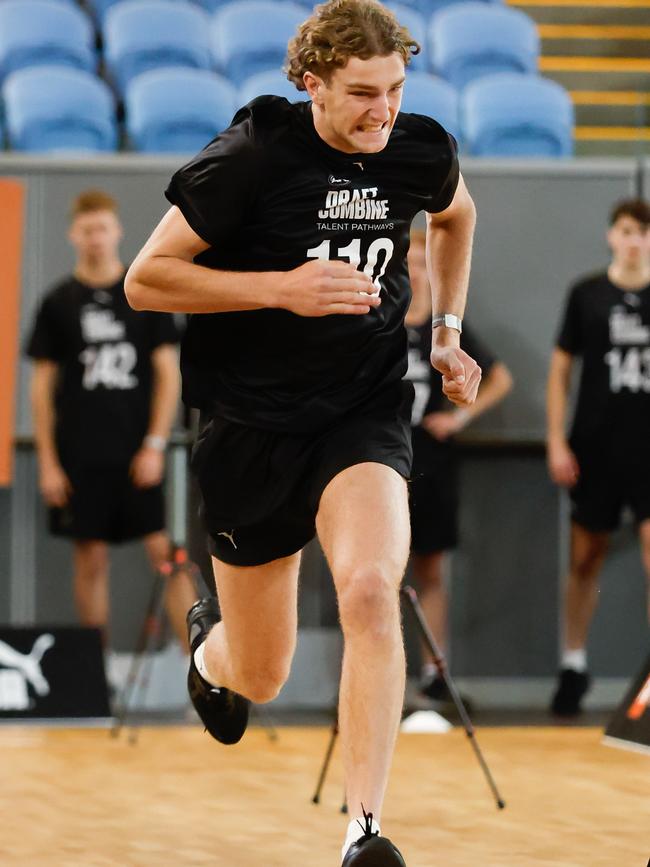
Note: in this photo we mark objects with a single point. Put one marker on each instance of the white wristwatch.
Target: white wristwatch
(153, 441)
(449, 320)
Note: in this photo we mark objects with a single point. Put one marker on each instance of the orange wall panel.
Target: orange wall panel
(12, 195)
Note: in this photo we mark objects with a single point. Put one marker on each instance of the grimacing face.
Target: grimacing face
(629, 241)
(359, 104)
(95, 235)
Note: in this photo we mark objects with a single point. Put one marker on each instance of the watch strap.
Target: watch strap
(448, 320)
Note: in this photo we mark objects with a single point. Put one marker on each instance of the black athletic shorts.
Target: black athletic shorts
(610, 479)
(433, 495)
(105, 505)
(260, 489)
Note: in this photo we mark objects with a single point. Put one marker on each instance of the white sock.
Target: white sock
(201, 667)
(575, 659)
(429, 670)
(356, 830)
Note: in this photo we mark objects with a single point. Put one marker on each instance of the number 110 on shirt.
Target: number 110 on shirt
(352, 252)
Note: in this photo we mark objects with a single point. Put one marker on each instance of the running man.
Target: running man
(606, 460)
(287, 240)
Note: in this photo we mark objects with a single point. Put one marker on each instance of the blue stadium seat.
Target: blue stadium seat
(427, 94)
(140, 35)
(417, 26)
(178, 110)
(473, 39)
(99, 8)
(44, 32)
(509, 115)
(427, 8)
(250, 36)
(56, 108)
(213, 5)
(275, 83)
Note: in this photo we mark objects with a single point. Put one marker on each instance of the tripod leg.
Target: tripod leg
(126, 694)
(441, 664)
(326, 762)
(154, 631)
(268, 723)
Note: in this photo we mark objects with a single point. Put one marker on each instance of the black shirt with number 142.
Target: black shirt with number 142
(102, 349)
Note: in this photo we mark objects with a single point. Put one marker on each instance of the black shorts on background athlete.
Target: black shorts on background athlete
(105, 505)
(434, 478)
(269, 194)
(609, 329)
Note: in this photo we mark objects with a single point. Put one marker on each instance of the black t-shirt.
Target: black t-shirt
(609, 328)
(103, 351)
(427, 382)
(268, 194)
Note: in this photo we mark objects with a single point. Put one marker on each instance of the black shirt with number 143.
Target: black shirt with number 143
(609, 328)
(269, 194)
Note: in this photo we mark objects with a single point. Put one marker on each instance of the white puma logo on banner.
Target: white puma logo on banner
(27, 668)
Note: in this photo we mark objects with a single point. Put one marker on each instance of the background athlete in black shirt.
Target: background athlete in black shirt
(434, 490)
(287, 242)
(104, 395)
(606, 460)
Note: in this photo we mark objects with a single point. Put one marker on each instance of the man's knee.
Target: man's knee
(368, 599)
(586, 564)
(91, 561)
(262, 683)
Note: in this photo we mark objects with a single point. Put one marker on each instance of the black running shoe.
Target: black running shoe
(371, 850)
(435, 688)
(572, 686)
(223, 712)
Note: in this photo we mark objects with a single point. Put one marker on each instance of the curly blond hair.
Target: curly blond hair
(341, 29)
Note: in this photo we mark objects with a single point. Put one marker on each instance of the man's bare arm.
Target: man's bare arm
(494, 387)
(148, 463)
(562, 463)
(164, 277)
(449, 242)
(53, 482)
(165, 391)
(449, 251)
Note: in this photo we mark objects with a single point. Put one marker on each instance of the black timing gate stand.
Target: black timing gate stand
(410, 596)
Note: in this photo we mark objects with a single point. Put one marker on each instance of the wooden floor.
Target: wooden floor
(76, 797)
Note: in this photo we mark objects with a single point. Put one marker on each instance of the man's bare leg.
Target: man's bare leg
(428, 570)
(363, 526)
(90, 584)
(250, 650)
(588, 552)
(644, 536)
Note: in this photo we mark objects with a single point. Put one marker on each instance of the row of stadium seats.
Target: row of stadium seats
(179, 110)
(99, 8)
(460, 43)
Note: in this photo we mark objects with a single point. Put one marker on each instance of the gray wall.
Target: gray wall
(540, 226)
